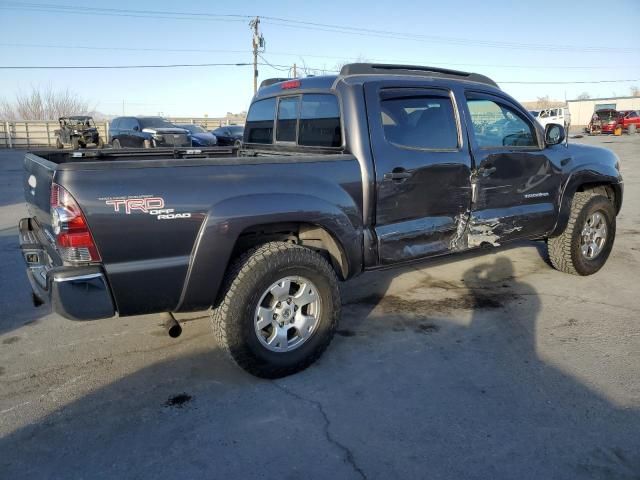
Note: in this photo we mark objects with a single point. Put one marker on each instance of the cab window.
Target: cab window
(496, 124)
(260, 120)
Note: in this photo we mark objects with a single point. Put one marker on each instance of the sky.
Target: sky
(542, 41)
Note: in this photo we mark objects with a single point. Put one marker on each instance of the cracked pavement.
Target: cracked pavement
(485, 366)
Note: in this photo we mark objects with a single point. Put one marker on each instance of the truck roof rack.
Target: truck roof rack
(271, 81)
(382, 68)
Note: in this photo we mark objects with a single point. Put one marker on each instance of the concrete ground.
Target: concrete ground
(489, 366)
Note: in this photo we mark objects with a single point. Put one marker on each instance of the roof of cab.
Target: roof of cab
(273, 86)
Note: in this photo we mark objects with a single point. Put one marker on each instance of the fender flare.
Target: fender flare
(591, 174)
(228, 219)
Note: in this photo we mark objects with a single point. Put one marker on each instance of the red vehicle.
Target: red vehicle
(629, 117)
(606, 119)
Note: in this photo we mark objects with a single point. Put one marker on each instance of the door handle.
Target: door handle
(398, 174)
(486, 171)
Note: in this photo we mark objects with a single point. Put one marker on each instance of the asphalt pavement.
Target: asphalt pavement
(484, 366)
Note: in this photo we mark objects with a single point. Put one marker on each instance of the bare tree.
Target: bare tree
(635, 91)
(583, 96)
(44, 104)
(543, 102)
(324, 70)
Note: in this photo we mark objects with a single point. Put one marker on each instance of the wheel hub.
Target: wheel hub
(287, 314)
(593, 236)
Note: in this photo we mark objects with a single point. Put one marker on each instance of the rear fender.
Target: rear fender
(228, 219)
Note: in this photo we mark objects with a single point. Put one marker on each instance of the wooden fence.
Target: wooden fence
(30, 134)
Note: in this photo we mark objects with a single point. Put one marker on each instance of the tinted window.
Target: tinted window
(237, 130)
(155, 122)
(419, 121)
(320, 121)
(287, 119)
(497, 125)
(192, 128)
(115, 123)
(259, 126)
(127, 123)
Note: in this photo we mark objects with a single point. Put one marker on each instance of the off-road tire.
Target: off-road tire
(59, 144)
(246, 280)
(564, 250)
(75, 144)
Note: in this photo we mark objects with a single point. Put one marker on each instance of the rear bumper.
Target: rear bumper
(76, 293)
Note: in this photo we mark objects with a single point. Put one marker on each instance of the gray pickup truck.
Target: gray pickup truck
(377, 166)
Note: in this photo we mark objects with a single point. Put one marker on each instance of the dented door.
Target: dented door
(423, 169)
(515, 181)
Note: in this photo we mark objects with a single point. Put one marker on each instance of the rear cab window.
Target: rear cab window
(307, 120)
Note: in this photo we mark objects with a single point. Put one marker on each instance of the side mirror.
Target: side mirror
(553, 134)
(136, 128)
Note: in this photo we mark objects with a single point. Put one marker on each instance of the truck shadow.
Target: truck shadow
(453, 398)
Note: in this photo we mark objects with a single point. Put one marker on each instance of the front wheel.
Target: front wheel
(279, 309)
(587, 240)
(116, 144)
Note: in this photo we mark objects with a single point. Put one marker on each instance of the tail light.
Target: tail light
(73, 238)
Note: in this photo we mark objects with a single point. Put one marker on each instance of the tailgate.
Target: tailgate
(38, 176)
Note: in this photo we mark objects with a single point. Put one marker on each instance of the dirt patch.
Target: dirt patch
(427, 328)
(346, 333)
(178, 401)
(466, 301)
(10, 340)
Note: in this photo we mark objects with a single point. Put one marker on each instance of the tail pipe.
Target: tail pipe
(171, 325)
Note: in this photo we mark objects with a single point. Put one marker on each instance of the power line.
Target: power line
(308, 55)
(106, 67)
(274, 66)
(292, 23)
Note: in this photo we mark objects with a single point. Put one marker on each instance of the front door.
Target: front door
(516, 179)
(422, 169)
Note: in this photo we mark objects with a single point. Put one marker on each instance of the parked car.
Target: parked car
(375, 167)
(77, 131)
(199, 136)
(603, 121)
(229, 135)
(559, 115)
(626, 118)
(146, 132)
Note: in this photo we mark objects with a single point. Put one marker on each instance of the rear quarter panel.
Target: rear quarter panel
(158, 264)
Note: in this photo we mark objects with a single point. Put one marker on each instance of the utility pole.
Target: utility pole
(295, 71)
(258, 46)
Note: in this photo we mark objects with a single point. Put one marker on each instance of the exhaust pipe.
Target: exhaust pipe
(172, 326)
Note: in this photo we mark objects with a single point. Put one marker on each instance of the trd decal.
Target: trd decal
(144, 204)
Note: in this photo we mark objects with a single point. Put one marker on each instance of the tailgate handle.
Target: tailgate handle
(398, 174)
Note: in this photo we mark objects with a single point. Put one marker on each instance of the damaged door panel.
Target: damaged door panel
(516, 182)
(423, 169)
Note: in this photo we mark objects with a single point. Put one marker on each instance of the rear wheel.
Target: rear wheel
(587, 240)
(279, 310)
(237, 144)
(147, 144)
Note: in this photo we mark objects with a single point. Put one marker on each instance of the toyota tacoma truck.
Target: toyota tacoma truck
(377, 166)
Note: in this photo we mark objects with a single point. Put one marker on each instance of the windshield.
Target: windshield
(193, 128)
(155, 122)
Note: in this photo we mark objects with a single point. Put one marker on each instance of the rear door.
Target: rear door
(516, 180)
(422, 165)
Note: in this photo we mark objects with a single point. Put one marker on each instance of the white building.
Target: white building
(582, 110)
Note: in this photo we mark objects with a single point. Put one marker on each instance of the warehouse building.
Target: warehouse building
(582, 110)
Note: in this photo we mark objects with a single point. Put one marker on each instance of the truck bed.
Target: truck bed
(172, 258)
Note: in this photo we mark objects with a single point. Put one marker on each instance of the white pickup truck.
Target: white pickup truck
(558, 115)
